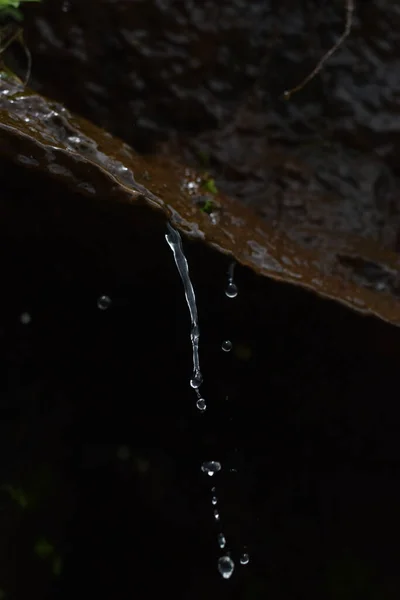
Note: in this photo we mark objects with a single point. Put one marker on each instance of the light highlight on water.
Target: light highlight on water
(210, 467)
(244, 559)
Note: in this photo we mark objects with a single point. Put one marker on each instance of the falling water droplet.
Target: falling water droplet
(231, 290)
(210, 467)
(201, 404)
(214, 500)
(25, 318)
(221, 540)
(196, 381)
(244, 559)
(227, 346)
(103, 302)
(216, 515)
(213, 490)
(226, 566)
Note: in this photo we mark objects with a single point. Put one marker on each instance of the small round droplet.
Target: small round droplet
(213, 490)
(25, 318)
(216, 515)
(210, 467)
(201, 404)
(226, 346)
(244, 559)
(221, 540)
(226, 566)
(214, 500)
(103, 302)
(231, 290)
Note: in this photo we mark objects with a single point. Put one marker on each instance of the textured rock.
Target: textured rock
(42, 135)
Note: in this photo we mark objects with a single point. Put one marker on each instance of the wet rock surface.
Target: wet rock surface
(102, 442)
(43, 135)
(207, 81)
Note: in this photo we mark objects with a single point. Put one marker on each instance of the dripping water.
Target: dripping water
(221, 540)
(174, 241)
(226, 346)
(226, 566)
(103, 302)
(231, 289)
(210, 467)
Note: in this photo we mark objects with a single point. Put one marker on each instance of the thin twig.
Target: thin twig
(327, 56)
(17, 36)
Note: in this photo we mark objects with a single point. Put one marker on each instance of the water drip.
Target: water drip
(226, 566)
(174, 241)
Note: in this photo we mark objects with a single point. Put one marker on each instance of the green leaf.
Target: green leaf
(208, 206)
(209, 185)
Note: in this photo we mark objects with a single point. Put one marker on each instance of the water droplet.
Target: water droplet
(214, 500)
(196, 381)
(216, 515)
(244, 559)
(231, 290)
(226, 566)
(213, 490)
(103, 302)
(25, 318)
(201, 404)
(210, 467)
(227, 346)
(221, 540)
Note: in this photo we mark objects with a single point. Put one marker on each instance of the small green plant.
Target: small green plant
(209, 185)
(207, 207)
(10, 8)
